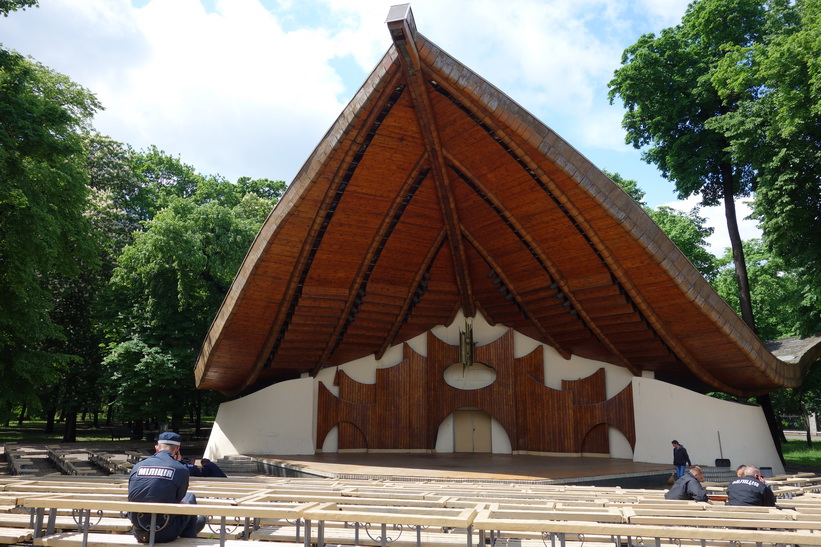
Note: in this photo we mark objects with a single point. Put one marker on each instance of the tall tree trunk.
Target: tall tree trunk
(745, 302)
(50, 414)
(22, 415)
(744, 299)
(70, 432)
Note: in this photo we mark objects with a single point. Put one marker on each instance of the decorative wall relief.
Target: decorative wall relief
(408, 402)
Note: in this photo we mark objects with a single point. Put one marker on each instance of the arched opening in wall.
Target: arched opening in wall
(472, 431)
(351, 437)
(596, 440)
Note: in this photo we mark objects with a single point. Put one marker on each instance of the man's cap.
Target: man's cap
(169, 437)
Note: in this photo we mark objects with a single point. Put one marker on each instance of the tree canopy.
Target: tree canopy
(671, 100)
(44, 235)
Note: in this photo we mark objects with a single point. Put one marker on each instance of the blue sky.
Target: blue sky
(249, 87)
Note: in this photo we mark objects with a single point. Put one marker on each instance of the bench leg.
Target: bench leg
(86, 523)
(356, 533)
(222, 531)
(418, 535)
(38, 521)
(470, 536)
(320, 534)
(298, 522)
(307, 533)
(384, 535)
(153, 532)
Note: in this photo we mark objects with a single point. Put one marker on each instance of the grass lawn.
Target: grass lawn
(796, 452)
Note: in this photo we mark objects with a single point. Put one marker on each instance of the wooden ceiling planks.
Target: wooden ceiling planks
(435, 192)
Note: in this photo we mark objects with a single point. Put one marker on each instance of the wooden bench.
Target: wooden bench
(511, 524)
(46, 529)
(385, 515)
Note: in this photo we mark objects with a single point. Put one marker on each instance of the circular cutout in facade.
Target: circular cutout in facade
(469, 378)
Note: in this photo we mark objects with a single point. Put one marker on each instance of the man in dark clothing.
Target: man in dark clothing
(210, 469)
(688, 487)
(750, 490)
(161, 478)
(681, 460)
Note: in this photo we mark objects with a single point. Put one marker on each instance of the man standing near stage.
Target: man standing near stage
(681, 460)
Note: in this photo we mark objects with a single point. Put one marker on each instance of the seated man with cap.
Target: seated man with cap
(161, 478)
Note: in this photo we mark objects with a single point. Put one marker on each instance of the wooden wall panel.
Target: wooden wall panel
(405, 407)
(589, 391)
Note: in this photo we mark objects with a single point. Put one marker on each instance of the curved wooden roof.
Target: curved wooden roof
(434, 191)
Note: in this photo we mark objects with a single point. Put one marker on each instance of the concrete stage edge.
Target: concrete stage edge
(470, 468)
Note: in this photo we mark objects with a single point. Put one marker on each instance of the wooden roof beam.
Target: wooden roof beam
(424, 265)
(358, 288)
(496, 267)
(559, 280)
(403, 33)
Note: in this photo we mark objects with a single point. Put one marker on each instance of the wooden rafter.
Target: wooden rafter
(424, 264)
(403, 33)
(358, 289)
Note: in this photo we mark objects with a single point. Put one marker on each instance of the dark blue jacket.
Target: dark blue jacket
(748, 490)
(210, 469)
(158, 479)
(687, 487)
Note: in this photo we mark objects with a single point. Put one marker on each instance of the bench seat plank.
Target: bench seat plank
(73, 539)
(15, 535)
(347, 536)
(107, 524)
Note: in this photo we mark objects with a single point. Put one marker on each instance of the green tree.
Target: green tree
(777, 297)
(777, 130)
(689, 233)
(666, 84)
(7, 6)
(44, 236)
(802, 401)
(168, 286)
(686, 230)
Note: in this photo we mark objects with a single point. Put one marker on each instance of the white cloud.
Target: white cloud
(248, 87)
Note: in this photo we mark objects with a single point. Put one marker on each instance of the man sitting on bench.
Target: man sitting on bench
(688, 486)
(161, 478)
(750, 489)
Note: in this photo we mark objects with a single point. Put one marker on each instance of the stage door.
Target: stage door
(471, 431)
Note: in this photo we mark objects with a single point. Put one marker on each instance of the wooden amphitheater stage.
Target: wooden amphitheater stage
(472, 467)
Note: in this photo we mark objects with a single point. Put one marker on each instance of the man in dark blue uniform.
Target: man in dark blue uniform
(750, 489)
(161, 478)
(210, 469)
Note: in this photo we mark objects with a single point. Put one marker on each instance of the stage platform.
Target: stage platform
(471, 468)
